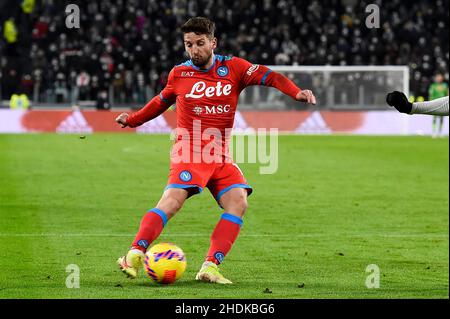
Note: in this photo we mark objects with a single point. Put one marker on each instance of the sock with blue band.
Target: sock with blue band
(151, 227)
(223, 237)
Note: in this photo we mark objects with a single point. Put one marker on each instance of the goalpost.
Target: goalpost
(336, 87)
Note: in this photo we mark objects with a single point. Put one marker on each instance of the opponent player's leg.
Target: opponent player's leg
(434, 127)
(151, 227)
(441, 125)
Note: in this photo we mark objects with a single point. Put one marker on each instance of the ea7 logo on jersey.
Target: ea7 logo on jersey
(252, 69)
(200, 90)
(187, 73)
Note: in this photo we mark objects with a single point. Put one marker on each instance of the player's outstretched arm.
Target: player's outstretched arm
(153, 109)
(285, 85)
(255, 74)
(435, 107)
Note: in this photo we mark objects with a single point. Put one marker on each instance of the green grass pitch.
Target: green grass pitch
(336, 205)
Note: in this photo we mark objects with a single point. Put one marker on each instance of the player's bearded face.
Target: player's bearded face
(199, 48)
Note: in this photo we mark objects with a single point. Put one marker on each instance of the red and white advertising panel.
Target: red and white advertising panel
(300, 122)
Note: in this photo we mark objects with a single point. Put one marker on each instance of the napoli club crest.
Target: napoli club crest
(219, 256)
(222, 71)
(185, 176)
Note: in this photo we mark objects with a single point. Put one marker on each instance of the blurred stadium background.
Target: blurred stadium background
(121, 55)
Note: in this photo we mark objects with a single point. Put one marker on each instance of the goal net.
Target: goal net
(335, 87)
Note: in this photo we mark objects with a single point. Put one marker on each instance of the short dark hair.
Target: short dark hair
(199, 25)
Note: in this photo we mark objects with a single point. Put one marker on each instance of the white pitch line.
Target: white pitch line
(310, 235)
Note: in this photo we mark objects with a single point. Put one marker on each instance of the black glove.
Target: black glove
(399, 101)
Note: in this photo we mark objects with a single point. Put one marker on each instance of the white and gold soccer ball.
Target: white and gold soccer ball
(165, 263)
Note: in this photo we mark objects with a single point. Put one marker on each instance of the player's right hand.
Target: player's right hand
(122, 119)
(399, 101)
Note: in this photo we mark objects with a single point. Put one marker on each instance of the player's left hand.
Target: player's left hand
(306, 96)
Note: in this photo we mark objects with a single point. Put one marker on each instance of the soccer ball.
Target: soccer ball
(165, 263)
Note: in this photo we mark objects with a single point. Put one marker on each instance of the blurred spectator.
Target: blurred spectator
(19, 102)
(437, 90)
(102, 102)
(10, 82)
(10, 31)
(83, 85)
(61, 92)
